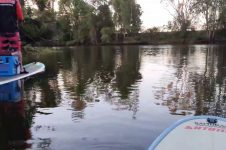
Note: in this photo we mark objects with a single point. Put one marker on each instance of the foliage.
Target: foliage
(31, 30)
(127, 15)
(210, 10)
(41, 28)
(152, 30)
(75, 19)
(106, 34)
(79, 21)
(41, 4)
(183, 14)
(222, 17)
(104, 22)
(82, 22)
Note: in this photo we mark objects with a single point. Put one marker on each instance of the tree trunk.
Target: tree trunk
(211, 36)
(93, 36)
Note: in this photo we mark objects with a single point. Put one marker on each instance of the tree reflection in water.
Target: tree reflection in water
(196, 90)
(90, 75)
(108, 75)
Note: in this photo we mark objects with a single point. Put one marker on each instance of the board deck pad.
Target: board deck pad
(193, 133)
(32, 69)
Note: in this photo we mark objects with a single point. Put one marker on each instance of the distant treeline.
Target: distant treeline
(79, 22)
(176, 37)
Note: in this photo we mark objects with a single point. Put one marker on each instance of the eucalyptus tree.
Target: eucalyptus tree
(136, 12)
(97, 3)
(127, 15)
(75, 19)
(103, 22)
(184, 17)
(83, 20)
(222, 16)
(182, 13)
(210, 10)
(42, 4)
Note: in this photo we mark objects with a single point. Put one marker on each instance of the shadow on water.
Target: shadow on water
(16, 118)
(15, 121)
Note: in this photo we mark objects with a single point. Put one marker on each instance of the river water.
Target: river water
(111, 97)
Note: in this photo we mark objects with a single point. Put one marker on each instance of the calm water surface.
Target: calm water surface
(110, 98)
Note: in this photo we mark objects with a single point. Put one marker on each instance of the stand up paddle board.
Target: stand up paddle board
(32, 68)
(193, 133)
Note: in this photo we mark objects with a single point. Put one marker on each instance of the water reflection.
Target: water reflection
(14, 121)
(89, 75)
(197, 86)
(90, 97)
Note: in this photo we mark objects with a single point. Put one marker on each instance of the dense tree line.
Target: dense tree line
(79, 21)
